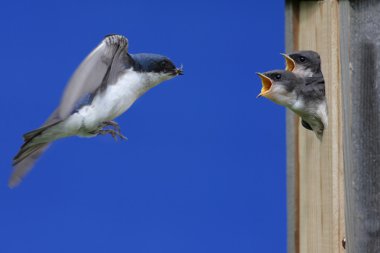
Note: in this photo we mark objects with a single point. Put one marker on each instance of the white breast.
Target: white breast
(298, 106)
(300, 71)
(108, 104)
(323, 113)
(113, 101)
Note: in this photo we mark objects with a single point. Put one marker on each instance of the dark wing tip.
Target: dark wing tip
(306, 125)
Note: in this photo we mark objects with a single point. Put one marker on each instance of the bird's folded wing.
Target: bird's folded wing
(97, 70)
(314, 87)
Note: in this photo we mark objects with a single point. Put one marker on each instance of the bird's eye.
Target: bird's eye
(163, 64)
(278, 76)
(302, 59)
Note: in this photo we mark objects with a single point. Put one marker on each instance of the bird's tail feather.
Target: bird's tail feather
(29, 153)
(29, 136)
(32, 149)
(24, 160)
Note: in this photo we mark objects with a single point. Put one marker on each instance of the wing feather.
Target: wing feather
(314, 88)
(94, 71)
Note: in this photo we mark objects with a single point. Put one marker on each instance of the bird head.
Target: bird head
(279, 86)
(304, 63)
(161, 66)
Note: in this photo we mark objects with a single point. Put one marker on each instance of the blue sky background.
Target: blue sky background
(204, 167)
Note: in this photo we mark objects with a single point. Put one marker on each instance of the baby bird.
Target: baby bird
(292, 91)
(307, 64)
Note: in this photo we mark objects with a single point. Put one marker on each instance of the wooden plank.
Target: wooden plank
(360, 54)
(292, 171)
(320, 190)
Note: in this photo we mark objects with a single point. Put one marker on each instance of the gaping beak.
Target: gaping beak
(267, 84)
(290, 64)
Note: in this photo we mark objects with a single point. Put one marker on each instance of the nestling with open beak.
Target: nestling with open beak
(307, 64)
(305, 99)
(304, 63)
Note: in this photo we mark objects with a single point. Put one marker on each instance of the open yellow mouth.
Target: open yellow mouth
(290, 64)
(266, 83)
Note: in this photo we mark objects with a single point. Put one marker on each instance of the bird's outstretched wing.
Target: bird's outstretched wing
(99, 68)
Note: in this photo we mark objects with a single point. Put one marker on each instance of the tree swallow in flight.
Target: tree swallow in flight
(292, 91)
(104, 86)
(307, 64)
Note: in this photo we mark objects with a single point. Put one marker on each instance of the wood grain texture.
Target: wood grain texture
(360, 53)
(292, 171)
(320, 165)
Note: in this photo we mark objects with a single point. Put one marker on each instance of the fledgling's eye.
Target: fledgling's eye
(278, 76)
(302, 59)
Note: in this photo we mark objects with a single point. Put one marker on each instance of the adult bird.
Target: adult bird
(104, 86)
(307, 64)
(290, 90)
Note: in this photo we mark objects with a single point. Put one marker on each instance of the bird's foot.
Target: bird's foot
(116, 128)
(113, 133)
(113, 124)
